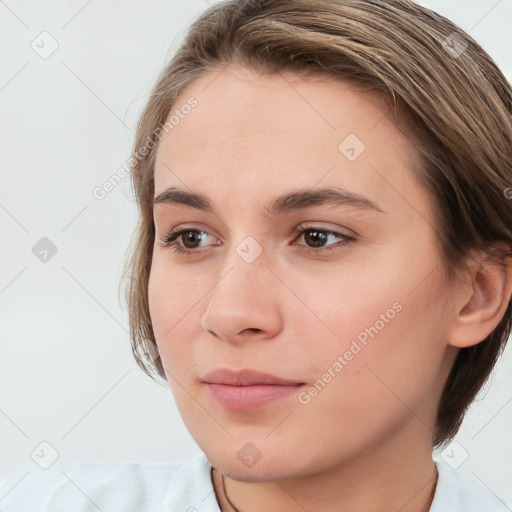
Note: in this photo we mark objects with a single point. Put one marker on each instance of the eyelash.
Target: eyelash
(171, 240)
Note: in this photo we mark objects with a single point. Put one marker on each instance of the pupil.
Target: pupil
(189, 237)
(318, 238)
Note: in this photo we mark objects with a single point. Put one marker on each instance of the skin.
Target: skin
(364, 442)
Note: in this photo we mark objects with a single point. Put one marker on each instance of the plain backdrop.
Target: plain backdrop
(67, 121)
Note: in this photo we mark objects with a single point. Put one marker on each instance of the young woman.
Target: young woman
(322, 265)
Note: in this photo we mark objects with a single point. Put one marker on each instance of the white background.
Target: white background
(67, 123)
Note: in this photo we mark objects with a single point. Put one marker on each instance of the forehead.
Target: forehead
(251, 136)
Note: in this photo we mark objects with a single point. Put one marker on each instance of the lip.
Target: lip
(245, 390)
(245, 377)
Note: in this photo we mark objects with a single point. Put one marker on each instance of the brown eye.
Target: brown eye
(189, 237)
(316, 239)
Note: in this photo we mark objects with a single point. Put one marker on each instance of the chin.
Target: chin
(269, 469)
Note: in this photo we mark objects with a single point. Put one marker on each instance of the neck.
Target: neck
(400, 476)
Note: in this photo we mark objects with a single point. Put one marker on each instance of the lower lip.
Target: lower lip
(247, 398)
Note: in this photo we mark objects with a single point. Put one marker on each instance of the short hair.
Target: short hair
(448, 96)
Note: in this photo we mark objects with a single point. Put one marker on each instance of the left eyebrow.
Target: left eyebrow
(294, 200)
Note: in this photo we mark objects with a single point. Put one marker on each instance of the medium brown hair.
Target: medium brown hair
(449, 97)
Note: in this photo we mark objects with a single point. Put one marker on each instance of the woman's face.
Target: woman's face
(355, 308)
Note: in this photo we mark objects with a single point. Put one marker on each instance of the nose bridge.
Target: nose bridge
(240, 298)
(244, 270)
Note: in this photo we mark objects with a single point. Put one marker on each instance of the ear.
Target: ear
(481, 300)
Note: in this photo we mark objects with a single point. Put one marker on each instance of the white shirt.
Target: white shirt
(178, 487)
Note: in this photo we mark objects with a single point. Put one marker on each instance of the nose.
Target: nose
(244, 303)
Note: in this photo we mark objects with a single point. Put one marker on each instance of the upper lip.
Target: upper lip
(245, 377)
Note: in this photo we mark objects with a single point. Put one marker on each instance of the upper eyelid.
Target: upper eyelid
(301, 226)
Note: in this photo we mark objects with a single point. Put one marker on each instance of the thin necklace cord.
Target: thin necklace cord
(226, 495)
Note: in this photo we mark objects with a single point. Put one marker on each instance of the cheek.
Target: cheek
(360, 298)
(172, 302)
(157, 300)
(386, 321)
(377, 374)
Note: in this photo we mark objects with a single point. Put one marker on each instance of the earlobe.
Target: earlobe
(482, 302)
